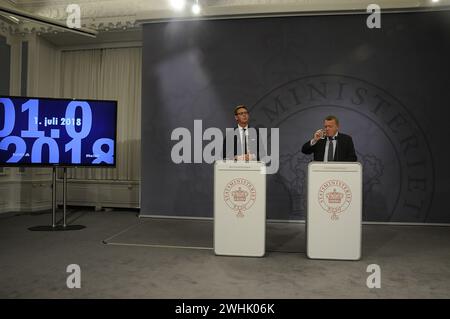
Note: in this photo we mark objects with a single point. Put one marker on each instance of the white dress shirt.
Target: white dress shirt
(325, 155)
(241, 134)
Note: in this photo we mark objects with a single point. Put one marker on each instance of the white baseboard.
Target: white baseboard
(34, 195)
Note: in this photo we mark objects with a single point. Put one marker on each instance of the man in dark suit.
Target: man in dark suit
(242, 143)
(329, 144)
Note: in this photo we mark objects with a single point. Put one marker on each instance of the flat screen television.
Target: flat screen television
(37, 131)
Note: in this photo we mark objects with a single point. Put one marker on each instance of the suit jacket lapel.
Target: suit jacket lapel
(338, 145)
(322, 149)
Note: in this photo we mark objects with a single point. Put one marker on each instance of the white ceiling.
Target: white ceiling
(120, 17)
(108, 10)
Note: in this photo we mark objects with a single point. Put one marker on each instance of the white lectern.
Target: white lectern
(239, 208)
(333, 224)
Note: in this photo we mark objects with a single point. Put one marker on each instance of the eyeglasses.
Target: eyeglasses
(242, 113)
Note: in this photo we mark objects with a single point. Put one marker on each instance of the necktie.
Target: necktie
(245, 142)
(330, 149)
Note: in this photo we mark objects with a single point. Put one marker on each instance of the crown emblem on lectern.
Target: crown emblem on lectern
(334, 197)
(336, 201)
(239, 195)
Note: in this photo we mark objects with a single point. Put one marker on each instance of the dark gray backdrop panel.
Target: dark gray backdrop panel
(388, 86)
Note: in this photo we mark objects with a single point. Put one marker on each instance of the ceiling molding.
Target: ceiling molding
(161, 9)
(33, 19)
(110, 16)
(239, 12)
(102, 15)
(8, 3)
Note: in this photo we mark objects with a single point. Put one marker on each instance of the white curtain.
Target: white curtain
(109, 74)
